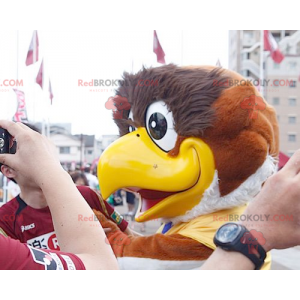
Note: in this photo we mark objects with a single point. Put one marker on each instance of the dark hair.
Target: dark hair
(33, 127)
(79, 175)
(87, 169)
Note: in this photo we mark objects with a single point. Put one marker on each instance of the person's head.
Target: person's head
(79, 178)
(11, 173)
(87, 169)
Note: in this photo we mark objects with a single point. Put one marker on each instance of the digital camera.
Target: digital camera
(4, 141)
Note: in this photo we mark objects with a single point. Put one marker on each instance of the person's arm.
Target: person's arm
(82, 236)
(226, 260)
(96, 202)
(36, 159)
(278, 205)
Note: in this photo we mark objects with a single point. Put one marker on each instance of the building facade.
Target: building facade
(282, 86)
(78, 150)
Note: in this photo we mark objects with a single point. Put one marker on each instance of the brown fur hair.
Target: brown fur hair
(240, 144)
(188, 93)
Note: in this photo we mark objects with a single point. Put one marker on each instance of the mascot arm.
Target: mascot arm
(156, 251)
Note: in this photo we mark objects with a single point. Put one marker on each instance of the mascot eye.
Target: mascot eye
(160, 126)
(131, 128)
(130, 117)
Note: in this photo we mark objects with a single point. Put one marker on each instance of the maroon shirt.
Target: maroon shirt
(17, 256)
(34, 226)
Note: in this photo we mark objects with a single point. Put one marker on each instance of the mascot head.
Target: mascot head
(194, 140)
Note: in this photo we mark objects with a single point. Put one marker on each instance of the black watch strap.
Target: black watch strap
(246, 244)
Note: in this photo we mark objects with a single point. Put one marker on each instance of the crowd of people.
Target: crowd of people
(48, 197)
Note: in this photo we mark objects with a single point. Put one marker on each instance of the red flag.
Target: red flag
(272, 46)
(50, 91)
(21, 113)
(283, 159)
(158, 50)
(33, 51)
(40, 75)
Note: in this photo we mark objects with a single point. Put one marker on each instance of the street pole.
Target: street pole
(262, 63)
(81, 152)
(181, 47)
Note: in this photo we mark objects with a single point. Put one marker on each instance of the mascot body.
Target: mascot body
(196, 145)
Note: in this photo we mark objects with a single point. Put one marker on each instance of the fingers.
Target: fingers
(5, 159)
(23, 126)
(10, 126)
(292, 167)
(14, 128)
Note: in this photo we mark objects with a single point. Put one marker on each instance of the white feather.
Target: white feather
(212, 201)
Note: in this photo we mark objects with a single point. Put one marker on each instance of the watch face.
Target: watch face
(228, 233)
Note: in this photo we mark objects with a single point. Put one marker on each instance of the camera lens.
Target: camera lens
(2, 143)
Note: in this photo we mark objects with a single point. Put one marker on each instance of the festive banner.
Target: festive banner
(21, 113)
(158, 50)
(40, 75)
(50, 91)
(272, 46)
(33, 51)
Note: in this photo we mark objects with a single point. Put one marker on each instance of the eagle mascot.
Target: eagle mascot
(196, 143)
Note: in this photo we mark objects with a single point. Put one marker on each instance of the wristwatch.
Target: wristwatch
(236, 237)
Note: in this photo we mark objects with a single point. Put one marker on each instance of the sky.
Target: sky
(70, 56)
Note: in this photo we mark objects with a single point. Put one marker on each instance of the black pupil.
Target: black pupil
(158, 126)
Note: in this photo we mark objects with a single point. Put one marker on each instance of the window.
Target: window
(291, 152)
(292, 65)
(276, 101)
(276, 36)
(64, 150)
(292, 102)
(245, 73)
(90, 152)
(298, 48)
(276, 66)
(292, 137)
(292, 120)
(248, 34)
(244, 56)
(248, 37)
(293, 83)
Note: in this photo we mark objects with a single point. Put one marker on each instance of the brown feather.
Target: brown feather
(188, 92)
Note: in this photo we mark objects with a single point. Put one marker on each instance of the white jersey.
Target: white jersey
(93, 180)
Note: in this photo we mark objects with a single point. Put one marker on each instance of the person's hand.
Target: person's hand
(36, 155)
(277, 208)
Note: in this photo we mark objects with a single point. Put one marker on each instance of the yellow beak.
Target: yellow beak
(169, 186)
